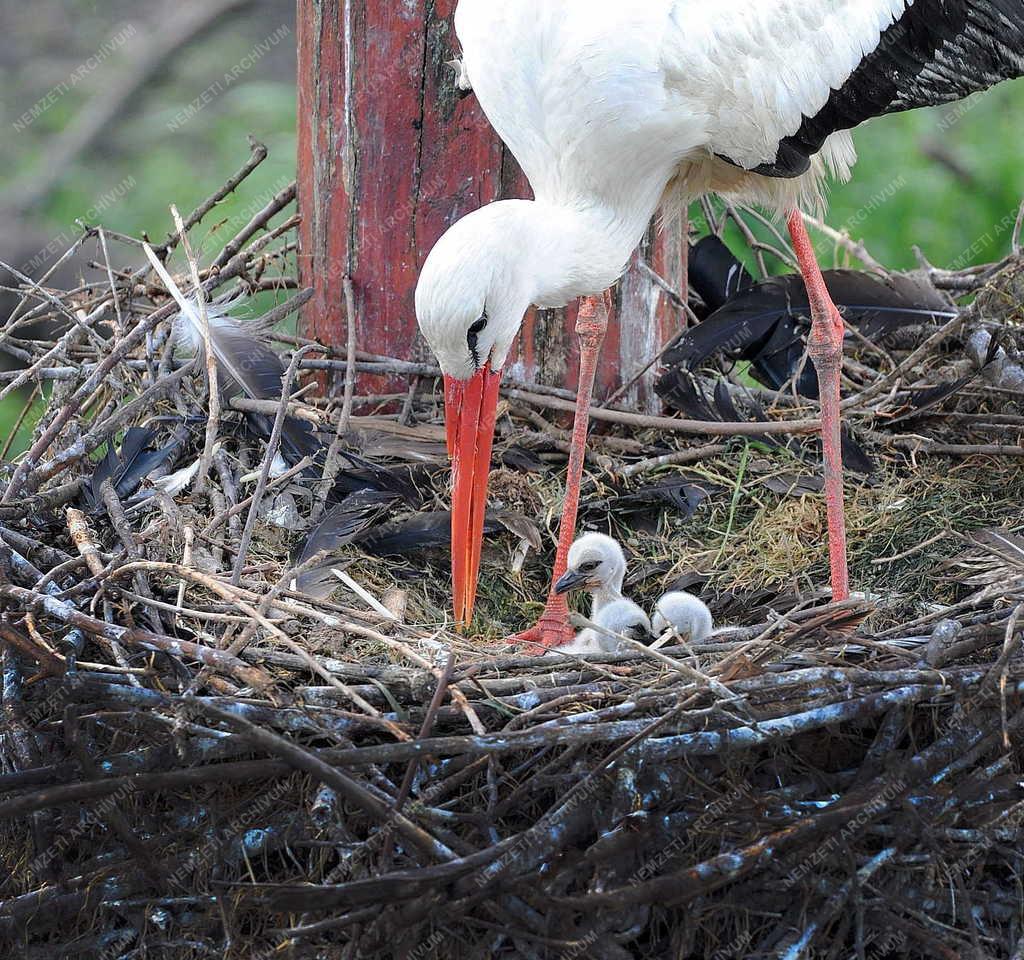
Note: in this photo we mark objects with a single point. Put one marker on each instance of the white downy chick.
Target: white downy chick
(621, 617)
(684, 613)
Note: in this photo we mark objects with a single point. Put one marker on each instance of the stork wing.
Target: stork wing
(576, 88)
(801, 70)
(582, 91)
(937, 52)
(760, 68)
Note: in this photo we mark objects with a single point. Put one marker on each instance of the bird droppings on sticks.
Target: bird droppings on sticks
(257, 758)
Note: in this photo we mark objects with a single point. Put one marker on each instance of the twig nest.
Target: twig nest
(1002, 298)
(515, 491)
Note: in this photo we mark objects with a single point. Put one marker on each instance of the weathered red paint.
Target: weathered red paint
(389, 156)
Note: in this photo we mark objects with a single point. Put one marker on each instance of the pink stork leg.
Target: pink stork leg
(553, 628)
(825, 348)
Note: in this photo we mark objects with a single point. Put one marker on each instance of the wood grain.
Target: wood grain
(390, 155)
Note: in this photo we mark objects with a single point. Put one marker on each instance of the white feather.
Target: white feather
(177, 482)
(237, 366)
(172, 288)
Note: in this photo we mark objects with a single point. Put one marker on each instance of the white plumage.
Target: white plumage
(613, 109)
(596, 564)
(605, 100)
(623, 618)
(685, 614)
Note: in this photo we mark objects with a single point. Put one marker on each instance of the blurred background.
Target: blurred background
(112, 110)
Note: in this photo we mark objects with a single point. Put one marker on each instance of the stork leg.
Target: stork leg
(825, 348)
(554, 628)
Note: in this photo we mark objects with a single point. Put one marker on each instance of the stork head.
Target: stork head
(596, 562)
(626, 619)
(472, 295)
(475, 288)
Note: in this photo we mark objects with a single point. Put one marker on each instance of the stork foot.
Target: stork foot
(551, 630)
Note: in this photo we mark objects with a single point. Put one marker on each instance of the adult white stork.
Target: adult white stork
(614, 107)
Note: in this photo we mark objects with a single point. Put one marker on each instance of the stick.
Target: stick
(672, 424)
(272, 447)
(43, 605)
(209, 358)
(354, 792)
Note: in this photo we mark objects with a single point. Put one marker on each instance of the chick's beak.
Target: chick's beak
(569, 581)
(470, 412)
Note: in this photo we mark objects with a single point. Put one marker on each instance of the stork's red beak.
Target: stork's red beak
(470, 408)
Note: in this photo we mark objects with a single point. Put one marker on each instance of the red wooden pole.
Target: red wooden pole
(389, 156)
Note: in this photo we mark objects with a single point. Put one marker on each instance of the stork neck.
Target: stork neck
(579, 251)
(605, 595)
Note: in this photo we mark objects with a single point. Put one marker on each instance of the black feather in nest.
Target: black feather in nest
(298, 438)
(680, 390)
(517, 457)
(356, 472)
(925, 400)
(128, 467)
(766, 322)
(245, 364)
(644, 505)
(715, 273)
(339, 527)
(357, 522)
(362, 474)
(418, 534)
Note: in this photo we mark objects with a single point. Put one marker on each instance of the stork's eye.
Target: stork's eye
(590, 566)
(471, 335)
(474, 331)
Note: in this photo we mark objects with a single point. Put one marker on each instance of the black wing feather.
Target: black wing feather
(245, 363)
(925, 400)
(127, 468)
(715, 272)
(765, 323)
(937, 52)
(417, 534)
(340, 526)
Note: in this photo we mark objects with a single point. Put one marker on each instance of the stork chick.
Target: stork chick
(596, 564)
(684, 613)
(620, 617)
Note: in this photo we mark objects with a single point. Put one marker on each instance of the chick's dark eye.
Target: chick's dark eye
(590, 566)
